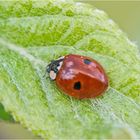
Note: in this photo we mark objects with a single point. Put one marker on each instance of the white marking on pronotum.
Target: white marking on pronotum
(52, 75)
(60, 65)
(62, 57)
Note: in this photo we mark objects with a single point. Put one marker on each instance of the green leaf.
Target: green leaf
(4, 115)
(34, 32)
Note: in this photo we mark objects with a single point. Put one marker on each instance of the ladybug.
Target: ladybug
(78, 76)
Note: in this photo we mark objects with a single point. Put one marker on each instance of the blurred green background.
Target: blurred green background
(125, 14)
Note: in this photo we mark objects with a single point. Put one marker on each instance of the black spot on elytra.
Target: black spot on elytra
(87, 61)
(77, 85)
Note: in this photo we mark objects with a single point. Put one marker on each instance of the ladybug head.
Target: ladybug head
(54, 67)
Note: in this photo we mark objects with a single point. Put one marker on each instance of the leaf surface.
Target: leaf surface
(32, 33)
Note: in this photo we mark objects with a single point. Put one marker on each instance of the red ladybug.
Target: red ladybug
(78, 76)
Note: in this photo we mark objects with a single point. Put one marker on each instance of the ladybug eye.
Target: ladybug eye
(55, 70)
(77, 85)
(87, 61)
